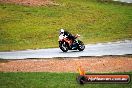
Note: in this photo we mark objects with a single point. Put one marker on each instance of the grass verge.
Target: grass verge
(50, 80)
(23, 27)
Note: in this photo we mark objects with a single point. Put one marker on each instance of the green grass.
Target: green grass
(50, 80)
(23, 27)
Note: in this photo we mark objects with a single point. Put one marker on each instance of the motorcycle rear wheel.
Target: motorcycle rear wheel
(81, 46)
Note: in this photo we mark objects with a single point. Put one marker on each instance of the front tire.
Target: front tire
(63, 46)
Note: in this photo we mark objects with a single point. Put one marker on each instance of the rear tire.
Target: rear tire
(81, 46)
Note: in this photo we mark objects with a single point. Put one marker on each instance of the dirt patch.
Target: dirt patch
(30, 2)
(90, 64)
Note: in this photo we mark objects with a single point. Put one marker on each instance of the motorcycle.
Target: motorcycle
(66, 44)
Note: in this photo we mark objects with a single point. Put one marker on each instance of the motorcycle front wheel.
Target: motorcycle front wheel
(64, 47)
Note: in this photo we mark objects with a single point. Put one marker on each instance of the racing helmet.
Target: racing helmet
(61, 31)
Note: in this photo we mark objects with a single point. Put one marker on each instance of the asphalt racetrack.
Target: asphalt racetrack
(100, 49)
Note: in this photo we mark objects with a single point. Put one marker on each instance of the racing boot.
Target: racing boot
(73, 45)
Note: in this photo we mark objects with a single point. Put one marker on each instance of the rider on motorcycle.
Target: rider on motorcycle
(69, 42)
(68, 35)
